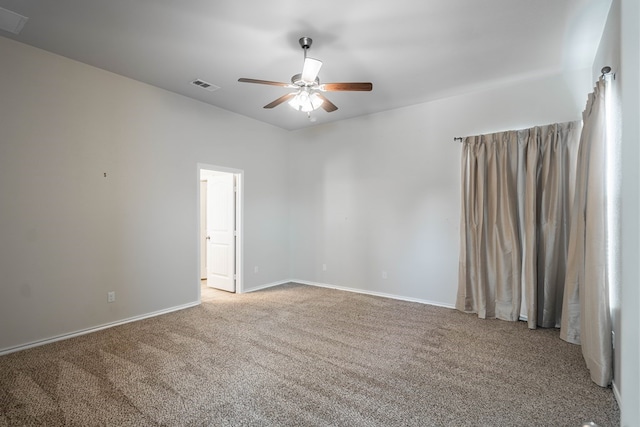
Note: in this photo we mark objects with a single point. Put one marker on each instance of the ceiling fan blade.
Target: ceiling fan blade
(283, 98)
(327, 105)
(310, 70)
(353, 86)
(263, 82)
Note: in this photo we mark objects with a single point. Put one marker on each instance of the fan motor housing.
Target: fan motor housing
(297, 80)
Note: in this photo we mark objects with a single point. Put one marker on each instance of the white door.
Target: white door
(221, 240)
(203, 230)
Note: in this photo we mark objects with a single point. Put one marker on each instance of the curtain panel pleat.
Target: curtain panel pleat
(516, 198)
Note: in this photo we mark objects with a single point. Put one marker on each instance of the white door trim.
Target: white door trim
(239, 174)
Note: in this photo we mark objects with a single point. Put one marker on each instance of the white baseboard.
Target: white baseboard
(265, 286)
(373, 293)
(616, 394)
(193, 304)
(94, 329)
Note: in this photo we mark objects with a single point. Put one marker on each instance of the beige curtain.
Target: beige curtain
(586, 318)
(516, 198)
(534, 217)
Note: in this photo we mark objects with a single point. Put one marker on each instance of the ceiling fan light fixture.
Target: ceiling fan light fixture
(308, 96)
(305, 101)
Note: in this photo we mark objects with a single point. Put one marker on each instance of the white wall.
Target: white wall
(630, 322)
(68, 235)
(381, 192)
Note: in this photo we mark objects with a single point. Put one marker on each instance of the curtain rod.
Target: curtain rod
(457, 138)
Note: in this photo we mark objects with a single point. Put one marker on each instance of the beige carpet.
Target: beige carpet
(295, 355)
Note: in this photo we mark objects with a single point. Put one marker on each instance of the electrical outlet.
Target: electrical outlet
(324, 267)
(384, 274)
(255, 270)
(111, 296)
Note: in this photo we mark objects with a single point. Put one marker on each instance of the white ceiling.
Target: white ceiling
(412, 50)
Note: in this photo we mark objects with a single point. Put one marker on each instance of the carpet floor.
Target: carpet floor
(296, 355)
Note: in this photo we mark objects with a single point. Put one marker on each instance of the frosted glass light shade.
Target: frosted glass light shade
(306, 102)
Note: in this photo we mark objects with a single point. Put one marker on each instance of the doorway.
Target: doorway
(220, 228)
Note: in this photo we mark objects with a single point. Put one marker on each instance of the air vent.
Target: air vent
(205, 85)
(11, 21)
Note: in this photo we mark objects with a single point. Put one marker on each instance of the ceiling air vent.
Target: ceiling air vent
(11, 21)
(205, 85)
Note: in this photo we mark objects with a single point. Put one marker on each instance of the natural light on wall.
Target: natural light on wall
(613, 171)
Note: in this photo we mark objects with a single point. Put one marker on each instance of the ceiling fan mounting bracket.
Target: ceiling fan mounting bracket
(305, 42)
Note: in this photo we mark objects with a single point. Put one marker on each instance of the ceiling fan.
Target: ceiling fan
(308, 95)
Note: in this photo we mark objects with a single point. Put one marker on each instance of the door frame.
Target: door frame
(239, 175)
